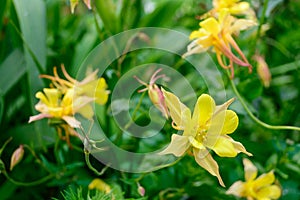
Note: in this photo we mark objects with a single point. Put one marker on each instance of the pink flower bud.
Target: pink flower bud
(155, 94)
(141, 190)
(16, 157)
(263, 70)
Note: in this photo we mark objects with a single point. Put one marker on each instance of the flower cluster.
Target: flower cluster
(67, 97)
(216, 31)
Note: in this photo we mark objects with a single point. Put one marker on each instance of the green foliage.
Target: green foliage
(36, 35)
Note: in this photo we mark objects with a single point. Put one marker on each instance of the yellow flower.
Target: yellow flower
(53, 105)
(207, 128)
(260, 188)
(217, 33)
(154, 92)
(99, 185)
(90, 86)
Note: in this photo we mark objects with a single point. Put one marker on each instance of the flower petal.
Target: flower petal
(224, 147)
(269, 192)
(74, 123)
(205, 160)
(204, 109)
(239, 147)
(231, 122)
(250, 170)
(236, 189)
(211, 25)
(178, 146)
(264, 180)
(38, 117)
(86, 111)
(179, 113)
(52, 95)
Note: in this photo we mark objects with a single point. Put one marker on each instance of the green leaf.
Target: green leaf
(107, 11)
(32, 20)
(12, 69)
(162, 15)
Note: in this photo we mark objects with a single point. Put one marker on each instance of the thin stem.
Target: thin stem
(268, 126)
(261, 21)
(87, 160)
(33, 183)
(135, 111)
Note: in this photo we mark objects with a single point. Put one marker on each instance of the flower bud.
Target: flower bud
(263, 70)
(16, 157)
(141, 190)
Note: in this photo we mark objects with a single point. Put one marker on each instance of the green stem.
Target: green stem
(36, 157)
(255, 119)
(33, 183)
(261, 21)
(87, 160)
(135, 111)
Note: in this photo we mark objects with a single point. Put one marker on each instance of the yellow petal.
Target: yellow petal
(204, 109)
(250, 170)
(52, 96)
(264, 180)
(231, 122)
(239, 8)
(86, 111)
(269, 192)
(178, 146)
(73, 4)
(238, 146)
(195, 143)
(68, 98)
(99, 185)
(179, 113)
(205, 160)
(224, 148)
(236, 189)
(211, 25)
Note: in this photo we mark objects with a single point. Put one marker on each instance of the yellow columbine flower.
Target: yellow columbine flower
(53, 105)
(207, 128)
(217, 33)
(90, 86)
(154, 92)
(260, 188)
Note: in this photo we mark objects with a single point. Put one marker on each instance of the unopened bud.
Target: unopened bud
(16, 157)
(141, 190)
(263, 70)
(157, 98)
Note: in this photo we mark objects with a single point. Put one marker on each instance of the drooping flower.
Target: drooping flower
(217, 34)
(154, 92)
(261, 188)
(207, 129)
(90, 86)
(53, 105)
